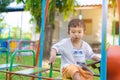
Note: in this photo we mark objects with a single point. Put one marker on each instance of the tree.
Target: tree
(2, 25)
(65, 7)
(4, 3)
(15, 32)
(34, 6)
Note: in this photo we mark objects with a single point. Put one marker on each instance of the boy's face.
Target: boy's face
(76, 33)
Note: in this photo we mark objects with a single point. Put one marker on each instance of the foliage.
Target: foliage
(15, 34)
(34, 6)
(2, 27)
(114, 5)
(63, 6)
(26, 36)
(1, 18)
(4, 3)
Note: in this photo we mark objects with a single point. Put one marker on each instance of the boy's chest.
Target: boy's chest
(79, 55)
(78, 52)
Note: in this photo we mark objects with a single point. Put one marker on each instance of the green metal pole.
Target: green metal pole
(51, 68)
(13, 55)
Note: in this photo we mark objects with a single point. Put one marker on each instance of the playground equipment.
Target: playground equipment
(28, 71)
(4, 45)
(113, 54)
(28, 74)
(6, 65)
(90, 67)
(31, 74)
(40, 61)
(13, 45)
(113, 63)
(103, 51)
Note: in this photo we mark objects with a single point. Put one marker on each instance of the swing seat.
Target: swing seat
(113, 63)
(30, 71)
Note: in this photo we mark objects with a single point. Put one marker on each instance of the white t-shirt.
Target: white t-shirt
(71, 55)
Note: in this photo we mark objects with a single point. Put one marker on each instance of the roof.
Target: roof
(14, 7)
(89, 2)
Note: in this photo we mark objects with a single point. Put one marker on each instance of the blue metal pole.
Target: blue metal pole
(103, 47)
(42, 34)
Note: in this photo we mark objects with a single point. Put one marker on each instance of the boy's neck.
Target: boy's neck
(76, 44)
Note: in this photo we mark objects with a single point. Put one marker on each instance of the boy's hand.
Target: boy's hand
(52, 60)
(53, 56)
(96, 58)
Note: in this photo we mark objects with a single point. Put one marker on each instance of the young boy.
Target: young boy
(74, 52)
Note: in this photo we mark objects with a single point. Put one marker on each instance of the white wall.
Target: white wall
(96, 16)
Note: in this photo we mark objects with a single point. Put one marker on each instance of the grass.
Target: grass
(28, 61)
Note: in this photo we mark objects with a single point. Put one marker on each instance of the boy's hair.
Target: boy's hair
(76, 23)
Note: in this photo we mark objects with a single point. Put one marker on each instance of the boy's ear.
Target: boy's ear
(85, 32)
(68, 32)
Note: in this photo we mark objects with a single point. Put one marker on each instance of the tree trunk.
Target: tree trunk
(49, 31)
(48, 41)
(118, 7)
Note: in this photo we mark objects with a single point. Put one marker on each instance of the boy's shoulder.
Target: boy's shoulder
(65, 40)
(85, 44)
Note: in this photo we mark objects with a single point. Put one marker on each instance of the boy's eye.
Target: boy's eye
(73, 32)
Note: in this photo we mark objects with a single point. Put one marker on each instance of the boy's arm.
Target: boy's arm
(95, 58)
(53, 55)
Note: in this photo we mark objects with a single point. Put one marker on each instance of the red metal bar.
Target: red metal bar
(38, 47)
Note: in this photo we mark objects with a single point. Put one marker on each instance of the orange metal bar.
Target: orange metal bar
(38, 47)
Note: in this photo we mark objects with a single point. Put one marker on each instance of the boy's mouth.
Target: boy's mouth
(76, 38)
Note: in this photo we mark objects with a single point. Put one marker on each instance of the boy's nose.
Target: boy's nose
(76, 34)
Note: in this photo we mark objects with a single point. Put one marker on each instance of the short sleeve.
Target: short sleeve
(59, 46)
(88, 51)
